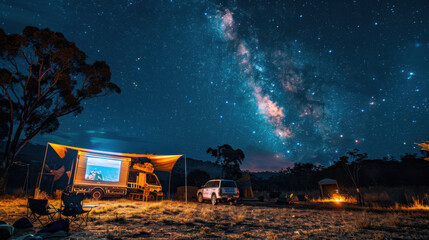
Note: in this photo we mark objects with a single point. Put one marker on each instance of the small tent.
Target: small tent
(245, 186)
(328, 187)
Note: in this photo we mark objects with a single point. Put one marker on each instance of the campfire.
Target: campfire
(336, 198)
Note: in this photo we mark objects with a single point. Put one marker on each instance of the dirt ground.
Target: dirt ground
(124, 219)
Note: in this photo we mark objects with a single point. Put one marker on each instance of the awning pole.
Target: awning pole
(169, 184)
(43, 166)
(72, 170)
(186, 183)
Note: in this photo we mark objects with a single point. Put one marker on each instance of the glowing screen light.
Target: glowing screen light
(102, 169)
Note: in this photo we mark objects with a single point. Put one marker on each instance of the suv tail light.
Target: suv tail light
(238, 191)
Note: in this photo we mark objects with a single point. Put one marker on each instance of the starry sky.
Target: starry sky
(285, 81)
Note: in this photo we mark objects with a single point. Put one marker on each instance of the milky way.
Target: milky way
(270, 110)
(286, 81)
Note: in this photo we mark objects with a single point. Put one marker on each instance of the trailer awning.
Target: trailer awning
(163, 163)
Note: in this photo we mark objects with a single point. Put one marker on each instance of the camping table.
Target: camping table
(139, 196)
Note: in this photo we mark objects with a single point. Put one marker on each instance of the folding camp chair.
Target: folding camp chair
(72, 209)
(38, 208)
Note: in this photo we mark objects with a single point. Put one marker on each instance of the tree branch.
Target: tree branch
(40, 72)
(25, 141)
(25, 89)
(14, 65)
(15, 95)
(40, 96)
(83, 82)
(41, 77)
(25, 56)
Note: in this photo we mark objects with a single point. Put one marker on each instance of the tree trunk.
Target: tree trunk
(359, 195)
(4, 179)
(15, 141)
(10, 154)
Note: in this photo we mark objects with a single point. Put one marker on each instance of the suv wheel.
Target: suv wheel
(200, 198)
(214, 200)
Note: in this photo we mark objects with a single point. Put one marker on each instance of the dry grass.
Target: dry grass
(124, 219)
(379, 236)
(205, 231)
(247, 234)
(100, 210)
(237, 218)
(393, 220)
(364, 222)
(417, 205)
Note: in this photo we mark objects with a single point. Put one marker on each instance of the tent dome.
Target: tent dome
(327, 181)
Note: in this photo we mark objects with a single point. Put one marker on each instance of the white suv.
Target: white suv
(218, 190)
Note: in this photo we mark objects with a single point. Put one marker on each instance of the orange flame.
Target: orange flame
(417, 205)
(336, 198)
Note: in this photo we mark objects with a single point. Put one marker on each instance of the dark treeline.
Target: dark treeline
(410, 170)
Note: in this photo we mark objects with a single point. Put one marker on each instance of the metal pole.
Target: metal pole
(186, 184)
(72, 170)
(26, 179)
(75, 170)
(43, 166)
(169, 184)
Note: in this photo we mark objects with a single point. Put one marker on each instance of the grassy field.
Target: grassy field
(124, 219)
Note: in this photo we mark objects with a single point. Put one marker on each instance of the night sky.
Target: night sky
(285, 81)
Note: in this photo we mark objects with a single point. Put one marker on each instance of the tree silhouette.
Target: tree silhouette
(352, 169)
(229, 159)
(43, 77)
(198, 177)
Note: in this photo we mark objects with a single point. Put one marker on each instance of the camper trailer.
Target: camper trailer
(101, 176)
(101, 173)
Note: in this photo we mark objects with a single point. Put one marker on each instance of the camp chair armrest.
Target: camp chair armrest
(50, 206)
(51, 209)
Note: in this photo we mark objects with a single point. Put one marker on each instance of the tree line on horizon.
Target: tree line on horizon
(355, 171)
(408, 170)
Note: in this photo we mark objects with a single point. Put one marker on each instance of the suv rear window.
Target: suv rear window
(213, 184)
(228, 184)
